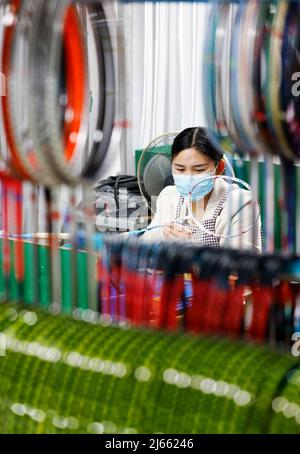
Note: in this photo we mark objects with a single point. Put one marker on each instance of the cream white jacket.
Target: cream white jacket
(235, 218)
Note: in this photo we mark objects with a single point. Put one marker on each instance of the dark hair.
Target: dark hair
(197, 138)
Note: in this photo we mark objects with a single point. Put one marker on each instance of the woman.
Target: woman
(221, 207)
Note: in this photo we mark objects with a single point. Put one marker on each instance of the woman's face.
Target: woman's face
(192, 162)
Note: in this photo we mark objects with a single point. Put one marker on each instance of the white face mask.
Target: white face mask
(186, 183)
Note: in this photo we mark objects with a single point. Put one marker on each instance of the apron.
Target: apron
(198, 235)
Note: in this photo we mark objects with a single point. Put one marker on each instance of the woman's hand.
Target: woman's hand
(175, 231)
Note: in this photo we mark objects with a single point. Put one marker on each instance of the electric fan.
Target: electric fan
(154, 170)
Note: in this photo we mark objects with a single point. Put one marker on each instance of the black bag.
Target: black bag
(120, 203)
(118, 185)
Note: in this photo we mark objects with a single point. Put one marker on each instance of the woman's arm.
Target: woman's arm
(236, 218)
(165, 214)
(156, 234)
